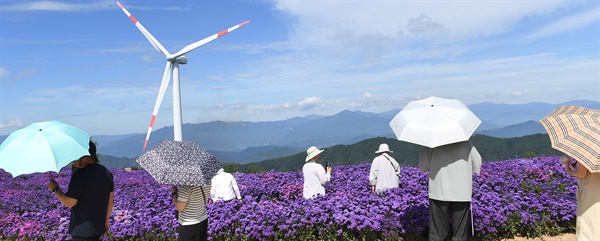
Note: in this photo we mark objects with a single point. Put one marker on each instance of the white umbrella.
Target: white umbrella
(434, 122)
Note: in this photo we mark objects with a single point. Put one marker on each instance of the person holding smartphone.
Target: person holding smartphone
(316, 177)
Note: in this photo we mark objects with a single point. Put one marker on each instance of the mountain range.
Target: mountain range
(245, 142)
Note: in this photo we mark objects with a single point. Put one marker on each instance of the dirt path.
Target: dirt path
(563, 237)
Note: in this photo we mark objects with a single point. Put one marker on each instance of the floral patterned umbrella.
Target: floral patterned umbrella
(180, 162)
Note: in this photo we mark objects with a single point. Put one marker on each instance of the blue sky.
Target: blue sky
(84, 62)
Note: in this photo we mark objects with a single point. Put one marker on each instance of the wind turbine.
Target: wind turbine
(172, 71)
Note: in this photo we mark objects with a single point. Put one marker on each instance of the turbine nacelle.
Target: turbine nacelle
(180, 60)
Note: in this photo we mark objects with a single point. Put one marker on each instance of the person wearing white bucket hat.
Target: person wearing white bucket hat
(315, 176)
(385, 170)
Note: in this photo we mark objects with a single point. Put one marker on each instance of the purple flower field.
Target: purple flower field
(522, 197)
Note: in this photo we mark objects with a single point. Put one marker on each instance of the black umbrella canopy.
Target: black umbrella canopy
(180, 162)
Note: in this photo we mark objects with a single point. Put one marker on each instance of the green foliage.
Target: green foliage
(153, 237)
(530, 154)
(251, 169)
(230, 168)
(515, 228)
(497, 149)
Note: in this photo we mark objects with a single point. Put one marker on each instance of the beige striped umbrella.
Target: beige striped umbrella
(575, 131)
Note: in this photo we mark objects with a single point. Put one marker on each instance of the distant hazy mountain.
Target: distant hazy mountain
(523, 129)
(110, 138)
(230, 139)
(505, 114)
(117, 162)
(254, 154)
(244, 142)
(343, 128)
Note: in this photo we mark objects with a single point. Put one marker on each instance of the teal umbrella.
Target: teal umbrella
(42, 147)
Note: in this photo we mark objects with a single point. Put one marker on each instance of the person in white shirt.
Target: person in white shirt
(315, 176)
(385, 170)
(224, 187)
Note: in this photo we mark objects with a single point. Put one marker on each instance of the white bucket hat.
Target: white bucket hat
(384, 148)
(312, 152)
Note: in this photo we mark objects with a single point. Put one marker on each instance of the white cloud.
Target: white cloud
(86, 93)
(217, 78)
(409, 20)
(307, 104)
(12, 124)
(310, 103)
(285, 107)
(57, 6)
(516, 94)
(147, 58)
(424, 25)
(3, 72)
(567, 23)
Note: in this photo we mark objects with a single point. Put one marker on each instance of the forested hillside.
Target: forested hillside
(491, 149)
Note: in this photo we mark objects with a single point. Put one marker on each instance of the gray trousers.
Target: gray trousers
(439, 223)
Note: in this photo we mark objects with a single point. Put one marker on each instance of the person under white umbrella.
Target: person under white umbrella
(443, 127)
(451, 169)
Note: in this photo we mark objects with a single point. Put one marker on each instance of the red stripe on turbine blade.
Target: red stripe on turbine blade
(152, 120)
(222, 33)
(244, 23)
(145, 144)
(121, 6)
(133, 19)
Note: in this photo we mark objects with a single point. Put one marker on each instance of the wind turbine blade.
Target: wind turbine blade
(161, 93)
(149, 36)
(195, 45)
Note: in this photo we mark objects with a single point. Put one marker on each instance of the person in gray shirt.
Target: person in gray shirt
(451, 169)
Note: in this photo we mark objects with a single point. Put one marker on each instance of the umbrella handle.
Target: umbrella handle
(472, 224)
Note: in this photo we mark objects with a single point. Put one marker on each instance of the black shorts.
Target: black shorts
(194, 232)
(97, 238)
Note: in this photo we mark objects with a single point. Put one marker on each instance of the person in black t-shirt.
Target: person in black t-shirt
(90, 197)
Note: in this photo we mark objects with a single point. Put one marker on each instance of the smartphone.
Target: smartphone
(326, 165)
